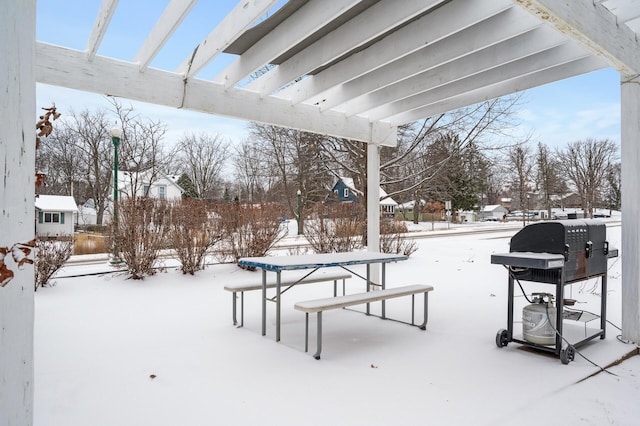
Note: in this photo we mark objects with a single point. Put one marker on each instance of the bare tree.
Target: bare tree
(521, 162)
(142, 152)
(57, 158)
(295, 162)
(203, 158)
(89, 133)
(586, 163)
(250, 170)
(411, 169)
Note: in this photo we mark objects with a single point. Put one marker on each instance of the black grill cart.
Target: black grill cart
(557, 253)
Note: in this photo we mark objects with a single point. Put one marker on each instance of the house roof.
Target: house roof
(388, 201)
(493, 207)
(58, 203)
(127, 177)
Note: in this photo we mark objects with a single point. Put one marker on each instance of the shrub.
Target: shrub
(141, 234)
(51, 254)
(250, 229)
(392, 238)
(335, 228)
(192, 232)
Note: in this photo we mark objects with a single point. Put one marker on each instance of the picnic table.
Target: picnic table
(314, 262)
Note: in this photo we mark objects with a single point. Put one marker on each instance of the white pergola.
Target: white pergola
(349, 68)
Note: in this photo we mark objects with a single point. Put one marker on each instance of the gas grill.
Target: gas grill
(559, 253)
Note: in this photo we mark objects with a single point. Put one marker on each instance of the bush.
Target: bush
(335, 228)
(51, 255)
(192, 232)
(141, 234)
(392, 238)
(250, 229)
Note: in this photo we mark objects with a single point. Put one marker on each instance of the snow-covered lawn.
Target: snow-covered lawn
(163, 351)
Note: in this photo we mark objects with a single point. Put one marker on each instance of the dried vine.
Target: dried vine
(22, 252)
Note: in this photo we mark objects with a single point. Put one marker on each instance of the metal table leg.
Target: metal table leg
(264, 302)
(278, 281)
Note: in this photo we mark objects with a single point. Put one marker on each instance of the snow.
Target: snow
(163, 351)
(60, 203)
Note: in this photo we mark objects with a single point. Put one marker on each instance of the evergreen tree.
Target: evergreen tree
(187, 185)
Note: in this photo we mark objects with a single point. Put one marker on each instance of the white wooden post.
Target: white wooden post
(630, 104)
(17, 213)
(373, 205)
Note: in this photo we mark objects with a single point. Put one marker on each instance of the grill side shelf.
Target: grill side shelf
(529, 260)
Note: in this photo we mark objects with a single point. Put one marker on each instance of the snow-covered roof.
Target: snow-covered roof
(493, 207)
(58, 203)
(386, 201)
(348, 182)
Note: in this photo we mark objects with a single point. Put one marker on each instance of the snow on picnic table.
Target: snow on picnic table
(163, 351)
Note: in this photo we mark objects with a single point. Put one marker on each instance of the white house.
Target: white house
(495, 211)
(54, 215)
(387, 204)
(87, 215)
(143, 184)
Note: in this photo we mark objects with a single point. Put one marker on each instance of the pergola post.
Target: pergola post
(17, 211)
(373, 205)
(630, 119)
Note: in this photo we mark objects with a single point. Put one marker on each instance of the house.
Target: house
(345, 191)
(145, 184)
(54, 215)
(387, 204)
(87, 215)
(493, 212)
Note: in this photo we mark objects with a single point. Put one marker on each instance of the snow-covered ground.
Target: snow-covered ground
(163, 351)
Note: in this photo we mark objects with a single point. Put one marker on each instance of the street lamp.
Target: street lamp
(528, 218)
(116, 134)
(299, 227)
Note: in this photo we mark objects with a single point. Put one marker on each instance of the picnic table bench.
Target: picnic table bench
(321, 305)
(286, 283)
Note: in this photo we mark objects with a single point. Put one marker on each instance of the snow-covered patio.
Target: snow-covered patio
(163, 351)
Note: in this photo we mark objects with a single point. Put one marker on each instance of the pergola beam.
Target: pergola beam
(100, 26)
(593, 26)
(303, 23)
(530, 64)
(233, 25)
(171, 18)
(68, 68)
(435, 26)
(502, 88)
(483, 61)
(377, 20)
(497, 28)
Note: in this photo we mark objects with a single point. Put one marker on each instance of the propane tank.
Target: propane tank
(539, 319)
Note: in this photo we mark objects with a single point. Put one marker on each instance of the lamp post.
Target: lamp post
(528, 198)
(116, 134)
(299, 218)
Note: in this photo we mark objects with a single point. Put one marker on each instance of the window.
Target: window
(51, 217)
(145, 191)
(162, 192)
(346, 193)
